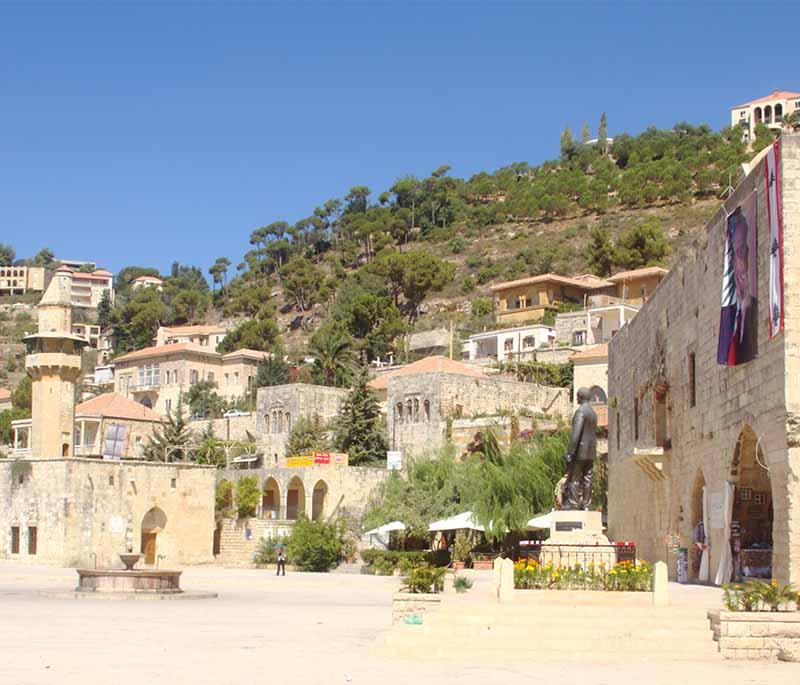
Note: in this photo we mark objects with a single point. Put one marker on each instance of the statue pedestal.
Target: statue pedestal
(576, 539)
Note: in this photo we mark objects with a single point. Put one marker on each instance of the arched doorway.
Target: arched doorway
(751, 527)
(153, 523)
(318, 498)
(697, 520)
(597, 395)
(295, 499)
(271, 499)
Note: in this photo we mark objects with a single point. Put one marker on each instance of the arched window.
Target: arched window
(288, 422)
(778, 113)
(274, 422)
(597, 395)
(416, 411)
(768, 114)
(271, 499)
(318, 500)
(266, 423)
(295, 499)
(427, 409)
(757, 115)
(398, 412)
(409, 411)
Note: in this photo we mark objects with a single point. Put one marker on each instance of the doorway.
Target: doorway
(149, 547)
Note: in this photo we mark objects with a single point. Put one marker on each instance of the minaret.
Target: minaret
(54, 364)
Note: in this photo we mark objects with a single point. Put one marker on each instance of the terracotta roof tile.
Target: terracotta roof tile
(639, 273)
(114, 406)
(596, 352)
(161, 350)
(774, 95)
(434, 364)
(194, 330)
(552, 278)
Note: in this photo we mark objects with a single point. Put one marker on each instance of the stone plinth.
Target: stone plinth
(110, 580)
(573, 534)
(756, 634)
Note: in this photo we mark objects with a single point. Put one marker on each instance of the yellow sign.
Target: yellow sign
(299, 462)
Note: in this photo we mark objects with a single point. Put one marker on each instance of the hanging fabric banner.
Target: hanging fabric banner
(773, 181)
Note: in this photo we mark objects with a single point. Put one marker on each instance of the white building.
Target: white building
(593, 325)
(508, 344)
(147, 282)
(769, 110)
(205, 336)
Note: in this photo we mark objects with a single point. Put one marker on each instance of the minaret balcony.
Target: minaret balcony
(61, 360)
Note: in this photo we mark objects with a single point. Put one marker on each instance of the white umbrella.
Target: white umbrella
(387, 528)
(541, 522)
(459, 522)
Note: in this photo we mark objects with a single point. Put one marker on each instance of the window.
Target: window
(528, 341)
(617, 431)
(578, 337)
(644, 293)
(427, 409)
(168, 405)
(193, 376)
(236, 377)
(111, 480)
(398, 412)
(149, 375)
(522, 302)
(227, 378)
(508, 345)
(14, 539)
(32, 539)
(636, 418)
(173, 483)
(416, 411)
(692, 380)
(210, 376)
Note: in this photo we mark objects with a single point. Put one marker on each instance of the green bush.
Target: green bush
(386, 562)
(224, 498)
(462, 583)
(267, 551)
(247, 496)
(757, 596)
(315, 545)
(424, 579)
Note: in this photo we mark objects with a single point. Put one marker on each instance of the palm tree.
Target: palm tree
(334, 357)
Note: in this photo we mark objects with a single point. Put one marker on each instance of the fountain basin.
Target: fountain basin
(155, 582)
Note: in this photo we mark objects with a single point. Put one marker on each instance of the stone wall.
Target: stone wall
(240, 539)
(82, 507)
(436, 397)
(652, 496)
(279, 406)
(745, 635)
(233, 428)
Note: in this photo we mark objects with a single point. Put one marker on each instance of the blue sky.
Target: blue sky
(140, 133)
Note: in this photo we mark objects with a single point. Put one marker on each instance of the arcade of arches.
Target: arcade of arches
(291, 500)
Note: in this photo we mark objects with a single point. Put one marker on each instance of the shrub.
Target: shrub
(626, 576)
(424, 579)
(457, 244)
(315, 545)
(247, 495)
(462, 583)
(757, 596)
(385, 562)
(461, 547)
(267, 551)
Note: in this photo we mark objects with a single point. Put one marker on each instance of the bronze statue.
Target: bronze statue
(581, 454)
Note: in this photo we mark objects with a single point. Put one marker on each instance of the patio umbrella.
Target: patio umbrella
(543, 521)
(459, 522)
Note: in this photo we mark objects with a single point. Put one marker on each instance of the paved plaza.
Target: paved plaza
(304, 628)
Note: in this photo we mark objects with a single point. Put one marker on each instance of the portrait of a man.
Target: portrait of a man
(738, 325)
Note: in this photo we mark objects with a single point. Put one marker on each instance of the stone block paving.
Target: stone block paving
(304, 628)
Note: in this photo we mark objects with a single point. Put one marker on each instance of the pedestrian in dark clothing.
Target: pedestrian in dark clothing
(281, 562)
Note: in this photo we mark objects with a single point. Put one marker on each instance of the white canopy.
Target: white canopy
(541, 522)
(459, 522)
(387, 528)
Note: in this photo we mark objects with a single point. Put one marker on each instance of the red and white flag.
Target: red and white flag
(773, 180)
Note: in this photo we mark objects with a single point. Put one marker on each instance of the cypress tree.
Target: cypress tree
(359, 429)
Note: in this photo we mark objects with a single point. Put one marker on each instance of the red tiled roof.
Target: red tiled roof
(639, 273)
(428, 365)
(774, 95)
(552, 278)
(114, 406)
(596, 352)
(161, 350)
(192, 330)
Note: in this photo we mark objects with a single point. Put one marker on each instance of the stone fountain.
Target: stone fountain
(129, 581)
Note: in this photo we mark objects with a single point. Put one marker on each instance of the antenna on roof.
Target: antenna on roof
(729, 190)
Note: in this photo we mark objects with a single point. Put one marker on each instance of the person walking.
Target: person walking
(281, 562)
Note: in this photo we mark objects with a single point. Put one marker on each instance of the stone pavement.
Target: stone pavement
(304, 628)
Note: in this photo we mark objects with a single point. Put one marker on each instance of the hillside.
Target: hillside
(362, 270)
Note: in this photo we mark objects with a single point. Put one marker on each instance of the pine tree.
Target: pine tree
(567, 144)
(602, 134)
(359, 428)
(601, 252)
(585, 133)
(170, 441)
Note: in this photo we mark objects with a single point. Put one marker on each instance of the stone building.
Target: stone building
(157, 376)
(62, 509)
(424, 398)
(319, 492)
(704, 456)
(66, 511)
(279, 406)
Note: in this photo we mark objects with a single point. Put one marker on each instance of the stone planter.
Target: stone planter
(757, 634)
(483, 563)
(417, 604)
(459, 565)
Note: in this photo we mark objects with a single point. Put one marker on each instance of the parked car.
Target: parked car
(235, 412)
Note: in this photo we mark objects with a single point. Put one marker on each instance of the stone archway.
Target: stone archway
(318, 500)
(753, 514)
(295, 499)
(271, 499)
(153, 524)
(698, 534)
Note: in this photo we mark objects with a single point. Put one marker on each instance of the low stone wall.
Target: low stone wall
(238, 546)
(747, 635)
(410, 604)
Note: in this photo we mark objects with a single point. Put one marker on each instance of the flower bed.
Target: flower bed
(626, 576)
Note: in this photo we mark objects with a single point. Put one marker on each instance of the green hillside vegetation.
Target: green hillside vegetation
(360, 271)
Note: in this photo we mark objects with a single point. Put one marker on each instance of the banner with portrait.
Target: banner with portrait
(738, 320)
(772, 175)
